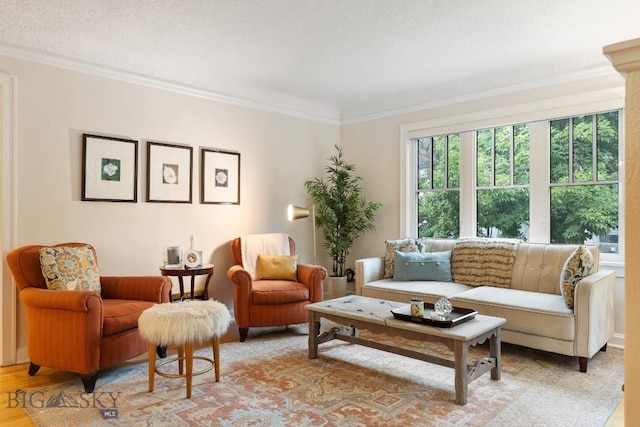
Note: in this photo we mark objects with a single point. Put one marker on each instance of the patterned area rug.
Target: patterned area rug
(269, 381)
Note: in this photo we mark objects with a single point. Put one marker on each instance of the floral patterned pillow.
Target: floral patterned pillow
(580, 264)
(408, 244)
(70, 268)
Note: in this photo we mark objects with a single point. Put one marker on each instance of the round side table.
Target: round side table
(180, 271)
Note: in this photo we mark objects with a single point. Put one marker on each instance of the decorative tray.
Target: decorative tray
(457, 316)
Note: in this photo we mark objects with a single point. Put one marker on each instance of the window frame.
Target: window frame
(466, 124)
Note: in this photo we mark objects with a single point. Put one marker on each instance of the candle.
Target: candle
(173, 255)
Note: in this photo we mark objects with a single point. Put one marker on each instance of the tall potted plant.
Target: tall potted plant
(341, 211)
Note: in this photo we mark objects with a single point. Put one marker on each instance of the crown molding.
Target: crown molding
(60, 61)
(591, 73)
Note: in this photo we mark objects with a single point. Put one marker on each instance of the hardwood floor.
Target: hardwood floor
(617, 418)
(15, 377)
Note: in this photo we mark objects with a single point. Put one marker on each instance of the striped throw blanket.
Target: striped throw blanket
(483, 261)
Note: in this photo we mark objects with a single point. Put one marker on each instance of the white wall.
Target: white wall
(375, 147)
(55, 106)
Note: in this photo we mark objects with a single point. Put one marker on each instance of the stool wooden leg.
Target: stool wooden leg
(188, 349)
(216, 356)
(180, 358)
(152, 365)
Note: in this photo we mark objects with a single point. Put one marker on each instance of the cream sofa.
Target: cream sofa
(533, 306)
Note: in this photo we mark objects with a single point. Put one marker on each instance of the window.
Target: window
(438, 179)
(584, 180)
(545, 181)
(502, 182)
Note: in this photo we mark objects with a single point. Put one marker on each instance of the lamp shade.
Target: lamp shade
(296, 212)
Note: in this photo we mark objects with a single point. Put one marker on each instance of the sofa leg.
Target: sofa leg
(583, 363)
(33, 369)
(89, 381)
(243, 334)
(604, 347)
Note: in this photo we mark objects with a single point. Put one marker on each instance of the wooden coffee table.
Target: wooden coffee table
(375, 316)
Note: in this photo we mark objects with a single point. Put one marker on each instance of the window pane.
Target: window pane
(503, 213)
(583, 149)
(454, 161)
(439, 214)
(439, 161)
(560, 150)
(607, 134)
(484, 158)
(521, 155)
(582, 213)
(424, 163)
(503, 156)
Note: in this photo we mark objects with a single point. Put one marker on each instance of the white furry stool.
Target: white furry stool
(184, 325)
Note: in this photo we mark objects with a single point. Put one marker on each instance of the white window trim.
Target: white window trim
(534, 113)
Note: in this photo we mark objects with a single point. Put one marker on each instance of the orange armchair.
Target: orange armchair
(82, 331)
(259, 303)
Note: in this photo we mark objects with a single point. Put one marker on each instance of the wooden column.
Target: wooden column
(625, 57)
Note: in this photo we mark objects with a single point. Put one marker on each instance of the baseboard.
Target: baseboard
(22, 355)
(617, 341)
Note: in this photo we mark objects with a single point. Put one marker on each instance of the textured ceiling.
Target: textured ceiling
(332, 59)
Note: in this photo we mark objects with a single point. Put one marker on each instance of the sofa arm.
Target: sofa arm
(594, 301)
(140, 288)
(368, 270)
(69, 322)
(312, 276)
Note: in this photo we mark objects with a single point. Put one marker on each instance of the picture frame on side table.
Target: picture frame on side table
(109, 169)
(219, 177)
(169, 173)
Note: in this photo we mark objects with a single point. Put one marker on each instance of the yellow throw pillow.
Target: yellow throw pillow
(70, 268)
(282, 267)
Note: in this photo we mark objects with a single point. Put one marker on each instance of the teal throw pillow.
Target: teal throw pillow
(432, 266)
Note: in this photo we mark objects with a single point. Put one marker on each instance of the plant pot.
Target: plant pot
(336, 286)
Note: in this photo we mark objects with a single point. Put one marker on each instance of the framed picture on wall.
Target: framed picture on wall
(169, 172)
(109, 169)
(219, 177)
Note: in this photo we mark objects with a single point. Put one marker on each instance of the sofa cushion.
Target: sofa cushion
(119, 315)
(580, 264)
(69, 268)
(534, 313)
(404, 291)
(282, 267)
(432, 266)
(408, 244)
(278, 292)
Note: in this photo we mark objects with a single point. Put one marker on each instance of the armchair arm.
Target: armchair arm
(242, 285)
(368, 270)
(64, 328)
(312, 277)
(141, 288)
(594, 312)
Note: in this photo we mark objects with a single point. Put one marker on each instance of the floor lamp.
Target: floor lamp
(296, 212)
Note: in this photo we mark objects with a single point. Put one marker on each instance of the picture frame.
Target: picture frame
(109, 169)
(169, 173)
(219, 176)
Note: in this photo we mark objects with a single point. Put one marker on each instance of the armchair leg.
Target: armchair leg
(89, 381)
(243, 334)
(583, 363)
(33, 369)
